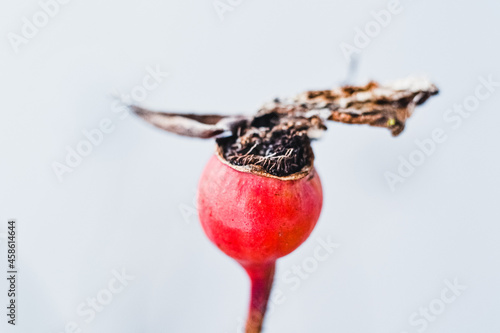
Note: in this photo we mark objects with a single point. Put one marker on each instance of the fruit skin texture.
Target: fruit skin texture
(256, 219)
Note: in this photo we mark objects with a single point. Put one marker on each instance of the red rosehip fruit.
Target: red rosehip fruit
(257, 219)
(260, 197)
(254, 218)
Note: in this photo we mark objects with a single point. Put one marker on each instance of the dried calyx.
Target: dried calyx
(269, 143)
(276, 141)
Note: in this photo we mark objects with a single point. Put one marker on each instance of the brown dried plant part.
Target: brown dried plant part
(387, 105)
(193, 125)
(276, 140)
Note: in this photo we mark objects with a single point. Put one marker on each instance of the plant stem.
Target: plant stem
(261, 278)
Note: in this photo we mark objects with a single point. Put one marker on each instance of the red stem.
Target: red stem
(261, 278)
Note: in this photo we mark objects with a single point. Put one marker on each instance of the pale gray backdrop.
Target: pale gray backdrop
(128, 205)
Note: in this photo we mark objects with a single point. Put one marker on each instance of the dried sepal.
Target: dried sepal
(387, 105)
(276, 140)
(188, 124)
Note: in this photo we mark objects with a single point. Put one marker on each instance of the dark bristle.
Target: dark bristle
(267, 120)
(276, 148)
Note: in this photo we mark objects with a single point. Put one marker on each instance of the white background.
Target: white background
(121, 207)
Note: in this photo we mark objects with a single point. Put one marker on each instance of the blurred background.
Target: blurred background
(109, 240)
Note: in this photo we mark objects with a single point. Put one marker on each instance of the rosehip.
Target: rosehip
(260, 197)
(254, 218)
(257, 219)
